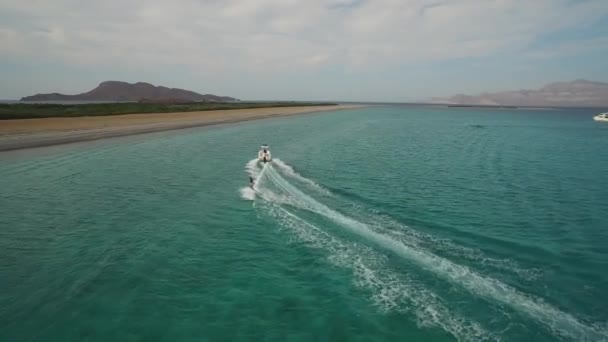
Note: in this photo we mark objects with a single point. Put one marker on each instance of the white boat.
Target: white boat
(601, 117)
(264, 154)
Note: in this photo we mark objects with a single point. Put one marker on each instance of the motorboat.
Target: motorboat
(601, 117)
(264, 154)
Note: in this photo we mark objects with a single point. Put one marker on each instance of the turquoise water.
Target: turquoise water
(384, 224)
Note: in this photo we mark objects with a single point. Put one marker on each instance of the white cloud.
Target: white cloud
(262, 37)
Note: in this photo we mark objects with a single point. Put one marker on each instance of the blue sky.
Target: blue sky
(381, 50)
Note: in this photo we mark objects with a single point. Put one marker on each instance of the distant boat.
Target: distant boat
(264, 154)
(601, 117)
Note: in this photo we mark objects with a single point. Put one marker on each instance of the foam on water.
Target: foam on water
(419, 239)
(408, 235)
(558, 322)
(252, 168)
(413, 237)
(390, 291)
(289, 171)
(247, 193)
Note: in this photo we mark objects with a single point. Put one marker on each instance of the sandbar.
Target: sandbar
(30, 133)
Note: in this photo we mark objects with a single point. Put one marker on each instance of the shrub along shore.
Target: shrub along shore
(51, 110)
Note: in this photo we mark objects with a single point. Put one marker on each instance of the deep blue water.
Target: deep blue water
(384, 223)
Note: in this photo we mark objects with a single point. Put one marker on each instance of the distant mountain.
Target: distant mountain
(123, 91)
(581, 93)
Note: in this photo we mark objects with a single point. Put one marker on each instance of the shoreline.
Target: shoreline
(31, 133)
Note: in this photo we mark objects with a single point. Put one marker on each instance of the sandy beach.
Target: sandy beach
(28, 133)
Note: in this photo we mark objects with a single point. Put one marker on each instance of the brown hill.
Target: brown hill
(123, 91)
(576, 93)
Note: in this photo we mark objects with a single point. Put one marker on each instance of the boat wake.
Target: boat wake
(396, 263)
(247, 193)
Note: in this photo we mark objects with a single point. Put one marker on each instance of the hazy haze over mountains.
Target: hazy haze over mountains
(576, 93)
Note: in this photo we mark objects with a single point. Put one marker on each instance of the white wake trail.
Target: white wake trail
(415, 237)
(411, 236)
(257, 173)
(292, 173)
(557, 321)
(247, 193)
(389, 290)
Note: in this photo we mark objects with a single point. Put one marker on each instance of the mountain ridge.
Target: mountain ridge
(579, 92)
(124, 91)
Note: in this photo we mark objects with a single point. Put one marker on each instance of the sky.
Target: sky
(340, 50)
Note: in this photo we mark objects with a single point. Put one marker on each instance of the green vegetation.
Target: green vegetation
(30, 111)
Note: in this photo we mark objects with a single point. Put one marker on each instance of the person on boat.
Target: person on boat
(251, 182)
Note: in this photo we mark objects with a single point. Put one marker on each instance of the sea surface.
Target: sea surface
(384, 223)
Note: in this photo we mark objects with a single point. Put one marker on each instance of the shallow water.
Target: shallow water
(386, 223)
